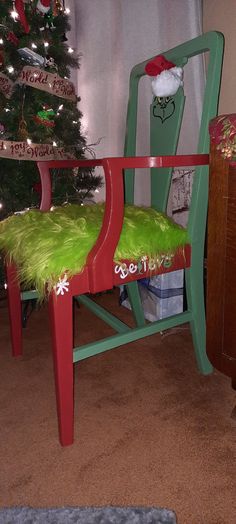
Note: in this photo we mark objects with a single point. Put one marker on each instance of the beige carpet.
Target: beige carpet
(150, 430)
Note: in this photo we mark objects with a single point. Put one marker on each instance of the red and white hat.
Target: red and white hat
(43, 6)
(167, 78)
(157, 65)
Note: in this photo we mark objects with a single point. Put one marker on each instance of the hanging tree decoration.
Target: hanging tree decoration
(49, 17)
(43, 6)
(10, 36)
(44, 117)
(46, 9)
(22, 129)
(19, 6)
(57, 7)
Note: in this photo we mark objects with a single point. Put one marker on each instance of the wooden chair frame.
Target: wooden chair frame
(119, 177)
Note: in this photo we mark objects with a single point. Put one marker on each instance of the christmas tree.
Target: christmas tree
(39, 114)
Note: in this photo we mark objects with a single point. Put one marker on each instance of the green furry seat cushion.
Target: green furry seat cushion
(45, 245)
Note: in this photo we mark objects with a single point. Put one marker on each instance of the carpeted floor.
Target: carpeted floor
(150, 430)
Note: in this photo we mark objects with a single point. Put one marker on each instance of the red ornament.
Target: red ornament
(37, 187)
(11, 37)
(19, 5)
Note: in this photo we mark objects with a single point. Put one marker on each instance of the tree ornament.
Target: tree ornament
(11, 37)
(49, 62)
(57, 7)
(49, 17)
(44, 117)
(19, 6)
(43, 6)
(22, 130)
(29, 56)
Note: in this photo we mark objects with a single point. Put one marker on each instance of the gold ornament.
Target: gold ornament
(57, 7)
(22, 130)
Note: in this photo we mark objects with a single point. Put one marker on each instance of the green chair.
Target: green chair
(101, 270)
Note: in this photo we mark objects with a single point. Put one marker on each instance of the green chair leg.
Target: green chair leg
(135, 302)
(195, 301)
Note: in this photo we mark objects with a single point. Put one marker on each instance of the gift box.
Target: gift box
(161, 295)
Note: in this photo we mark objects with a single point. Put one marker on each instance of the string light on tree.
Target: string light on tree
(14, 13)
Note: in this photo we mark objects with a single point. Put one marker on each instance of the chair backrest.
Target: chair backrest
(164, 134)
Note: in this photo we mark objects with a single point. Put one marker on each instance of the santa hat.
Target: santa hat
(167, 77)
(157, 65)
(44, 6)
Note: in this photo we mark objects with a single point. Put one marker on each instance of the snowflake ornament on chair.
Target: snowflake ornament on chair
(167, 76)
(62, 286)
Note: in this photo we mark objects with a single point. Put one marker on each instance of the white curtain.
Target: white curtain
(114, 35)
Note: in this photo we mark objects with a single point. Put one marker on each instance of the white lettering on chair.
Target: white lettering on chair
(143, 265)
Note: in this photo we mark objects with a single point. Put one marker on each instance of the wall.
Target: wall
(220, 15)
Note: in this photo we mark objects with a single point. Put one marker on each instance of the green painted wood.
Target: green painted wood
(108, 343)
(29, 295)
(213, 42)
(196, 303)
(136, 304)
(102, 313)
(164, 135)
(166, 115)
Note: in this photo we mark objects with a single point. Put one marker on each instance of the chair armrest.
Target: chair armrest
(45, 176)
(100, 258)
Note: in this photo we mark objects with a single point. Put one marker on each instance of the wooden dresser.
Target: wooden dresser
(221, 247)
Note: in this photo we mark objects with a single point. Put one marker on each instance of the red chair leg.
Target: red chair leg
(61, 318)
(14, 309)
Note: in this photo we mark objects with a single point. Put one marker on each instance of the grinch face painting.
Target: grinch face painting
(163, 107)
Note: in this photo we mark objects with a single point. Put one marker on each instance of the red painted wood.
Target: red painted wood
(45, 176)
(46, 187)
(61, 319)
(98, 274)
(112, 163)
(100, 258)
(14, 309)
(158, 161)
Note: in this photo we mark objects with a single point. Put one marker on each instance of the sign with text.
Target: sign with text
(6, 85)
(49, 82)
(25, 151)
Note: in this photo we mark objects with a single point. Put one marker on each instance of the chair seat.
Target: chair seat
(46, 245)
